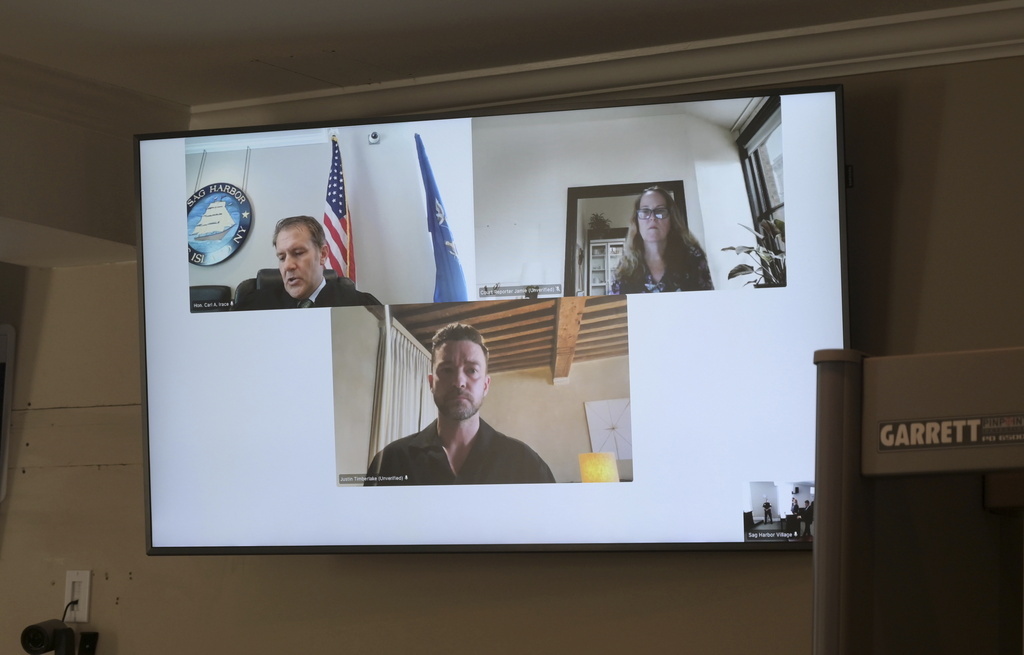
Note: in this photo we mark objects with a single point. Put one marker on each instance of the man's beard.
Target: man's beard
(455, 409)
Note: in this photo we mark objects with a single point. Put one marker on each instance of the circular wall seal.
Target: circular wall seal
(219, 222)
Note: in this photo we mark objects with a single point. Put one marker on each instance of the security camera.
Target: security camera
(48, 636)
(374, 137)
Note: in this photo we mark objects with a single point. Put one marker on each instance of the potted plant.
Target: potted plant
(768, 254)
(598, 226)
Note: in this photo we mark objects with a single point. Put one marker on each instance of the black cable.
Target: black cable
(66, 608)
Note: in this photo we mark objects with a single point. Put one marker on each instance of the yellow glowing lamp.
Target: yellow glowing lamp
(598, 467)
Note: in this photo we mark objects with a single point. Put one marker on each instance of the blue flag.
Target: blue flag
(449, 283)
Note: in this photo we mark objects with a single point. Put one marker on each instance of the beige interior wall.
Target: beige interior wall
(355, 336)
(68, 151)
(517, 399)
(934, 218)
(78, 345)
(34, 180)
(12, 292)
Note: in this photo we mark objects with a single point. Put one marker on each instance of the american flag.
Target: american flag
(337, 222)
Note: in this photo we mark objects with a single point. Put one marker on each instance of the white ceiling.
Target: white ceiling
(198, 52)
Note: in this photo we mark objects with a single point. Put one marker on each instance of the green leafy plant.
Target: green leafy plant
(597, 221)
(768, 254)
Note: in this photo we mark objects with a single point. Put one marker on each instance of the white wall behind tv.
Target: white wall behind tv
(524, 167)
(516, 398)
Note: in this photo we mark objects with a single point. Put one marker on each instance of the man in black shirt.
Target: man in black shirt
(459, 447)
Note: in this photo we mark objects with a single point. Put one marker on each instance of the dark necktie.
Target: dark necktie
(303, 304)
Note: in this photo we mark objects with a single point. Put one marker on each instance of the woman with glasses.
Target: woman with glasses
(660, 254)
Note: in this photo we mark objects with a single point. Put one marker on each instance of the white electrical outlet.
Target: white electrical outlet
(76, 587)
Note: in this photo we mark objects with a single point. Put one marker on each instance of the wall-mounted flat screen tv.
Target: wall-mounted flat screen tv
(569, 330)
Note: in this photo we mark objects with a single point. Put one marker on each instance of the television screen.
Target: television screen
(580, 329)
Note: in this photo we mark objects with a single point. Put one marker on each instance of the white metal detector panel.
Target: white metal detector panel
(941, 413)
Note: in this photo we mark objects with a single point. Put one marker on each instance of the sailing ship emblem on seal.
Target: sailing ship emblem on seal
(219, 222)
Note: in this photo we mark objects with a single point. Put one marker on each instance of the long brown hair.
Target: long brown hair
(678, 242)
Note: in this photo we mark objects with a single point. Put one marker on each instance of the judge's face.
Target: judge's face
(459, 381)
(652, 228)
(301, 263)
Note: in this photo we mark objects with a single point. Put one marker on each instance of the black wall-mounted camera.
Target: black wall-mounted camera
(52, 635)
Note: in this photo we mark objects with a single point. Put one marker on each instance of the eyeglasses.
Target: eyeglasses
(658, 214)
